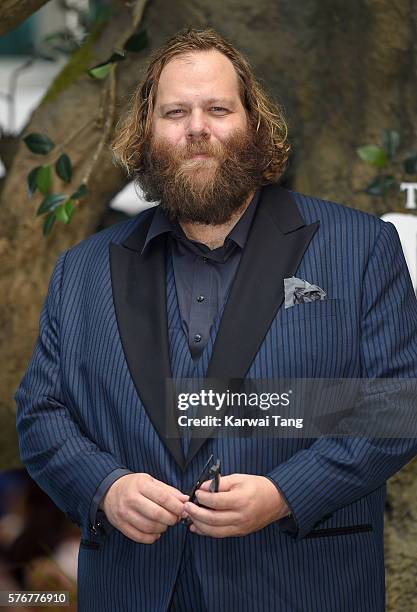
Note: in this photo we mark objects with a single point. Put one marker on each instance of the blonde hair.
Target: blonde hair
(266, 117)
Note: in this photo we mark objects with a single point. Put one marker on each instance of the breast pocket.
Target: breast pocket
(319, 308)
(317, 339)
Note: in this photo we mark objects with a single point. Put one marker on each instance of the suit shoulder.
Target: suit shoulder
(334, 213)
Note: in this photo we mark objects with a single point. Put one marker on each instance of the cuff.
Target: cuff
(98, 519)
(288, 523)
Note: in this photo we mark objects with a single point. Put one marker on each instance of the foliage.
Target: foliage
(390, 169)
(60, 206)
(56, 206)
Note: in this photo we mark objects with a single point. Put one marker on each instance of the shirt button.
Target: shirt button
(197, 338)
(200, 298)
(204, 259)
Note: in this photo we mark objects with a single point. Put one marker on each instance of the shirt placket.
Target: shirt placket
(201, 303)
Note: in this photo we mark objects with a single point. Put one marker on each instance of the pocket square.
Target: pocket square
(299, 291)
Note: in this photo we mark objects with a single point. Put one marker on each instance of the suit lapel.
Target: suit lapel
(139, 295)
(276, 244)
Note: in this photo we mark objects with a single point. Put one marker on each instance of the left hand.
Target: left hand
(244, 503)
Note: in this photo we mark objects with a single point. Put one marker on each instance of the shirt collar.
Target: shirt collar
(161, 224)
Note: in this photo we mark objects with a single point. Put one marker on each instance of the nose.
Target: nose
(197, 126)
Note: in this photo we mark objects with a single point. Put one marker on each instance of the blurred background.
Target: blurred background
(346, 75)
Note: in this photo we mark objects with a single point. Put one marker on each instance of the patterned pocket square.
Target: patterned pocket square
(299, 291)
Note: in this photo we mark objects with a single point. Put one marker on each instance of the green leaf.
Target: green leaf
(373, 155)
(391, 141)
(48, 223)
(43, 179)
(380, 185)
(80, 192)
(64, 212)
(51, 202)
(410, 164)
(102, 70)
(31, 180)
(63, 168)
(40, 144)
(137, 42)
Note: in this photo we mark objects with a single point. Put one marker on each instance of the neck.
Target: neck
(213, 236)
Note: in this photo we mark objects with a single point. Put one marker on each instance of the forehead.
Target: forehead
(198, 74)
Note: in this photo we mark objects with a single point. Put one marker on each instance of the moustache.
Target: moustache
(193, 149)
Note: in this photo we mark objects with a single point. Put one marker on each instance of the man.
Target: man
(195, 288)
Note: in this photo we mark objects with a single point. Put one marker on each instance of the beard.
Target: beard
(202, 190)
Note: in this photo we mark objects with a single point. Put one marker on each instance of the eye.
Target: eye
(219, 109)
(175, 111)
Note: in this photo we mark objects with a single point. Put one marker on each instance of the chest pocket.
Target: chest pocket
(311, 340)
(319, 308)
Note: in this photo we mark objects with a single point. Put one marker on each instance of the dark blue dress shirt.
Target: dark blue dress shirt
(203, 277)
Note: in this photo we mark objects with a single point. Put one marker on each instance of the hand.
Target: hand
(245, 503)
(142, 507)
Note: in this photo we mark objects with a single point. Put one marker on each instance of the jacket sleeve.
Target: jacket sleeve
(334, 472)
(59, 457)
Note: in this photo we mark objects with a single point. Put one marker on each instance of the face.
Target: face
(202, 160)
(198, 98)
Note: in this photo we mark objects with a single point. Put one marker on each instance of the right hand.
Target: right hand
(142, 507)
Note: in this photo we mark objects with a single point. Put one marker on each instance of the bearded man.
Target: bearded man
(198, 287)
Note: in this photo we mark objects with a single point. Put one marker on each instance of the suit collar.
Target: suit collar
(276, 244)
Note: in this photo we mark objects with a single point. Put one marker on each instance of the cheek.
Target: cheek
(171, 132)
(223, 130)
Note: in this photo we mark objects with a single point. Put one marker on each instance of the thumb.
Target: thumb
(226, 483)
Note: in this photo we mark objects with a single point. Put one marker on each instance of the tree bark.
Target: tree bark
(13, 12)
(343, 70)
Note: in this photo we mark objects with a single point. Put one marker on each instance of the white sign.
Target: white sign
(411, 189)
(406, 226)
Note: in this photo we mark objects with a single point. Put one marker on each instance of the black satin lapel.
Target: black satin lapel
(139, 294)
(277, 242)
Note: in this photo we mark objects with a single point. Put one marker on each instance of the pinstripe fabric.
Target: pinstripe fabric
(187, 594)
(78, 407)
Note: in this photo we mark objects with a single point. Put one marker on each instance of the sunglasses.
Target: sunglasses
(209, 472)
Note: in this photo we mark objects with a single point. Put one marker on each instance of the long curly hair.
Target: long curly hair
(265, 116)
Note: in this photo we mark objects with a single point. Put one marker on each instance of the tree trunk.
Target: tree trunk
(13, 12)
(343, 70)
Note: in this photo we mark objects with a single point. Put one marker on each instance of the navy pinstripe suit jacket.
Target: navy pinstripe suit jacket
(92, 404)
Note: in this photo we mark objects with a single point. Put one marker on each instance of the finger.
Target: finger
(176, 492)
(213, 531)
(162, 496)
(181, 496)
(139, 536)
(151, 511)
(225, 482)
(210, 517)
(145, 524)
(229, 500)
(193, 529)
